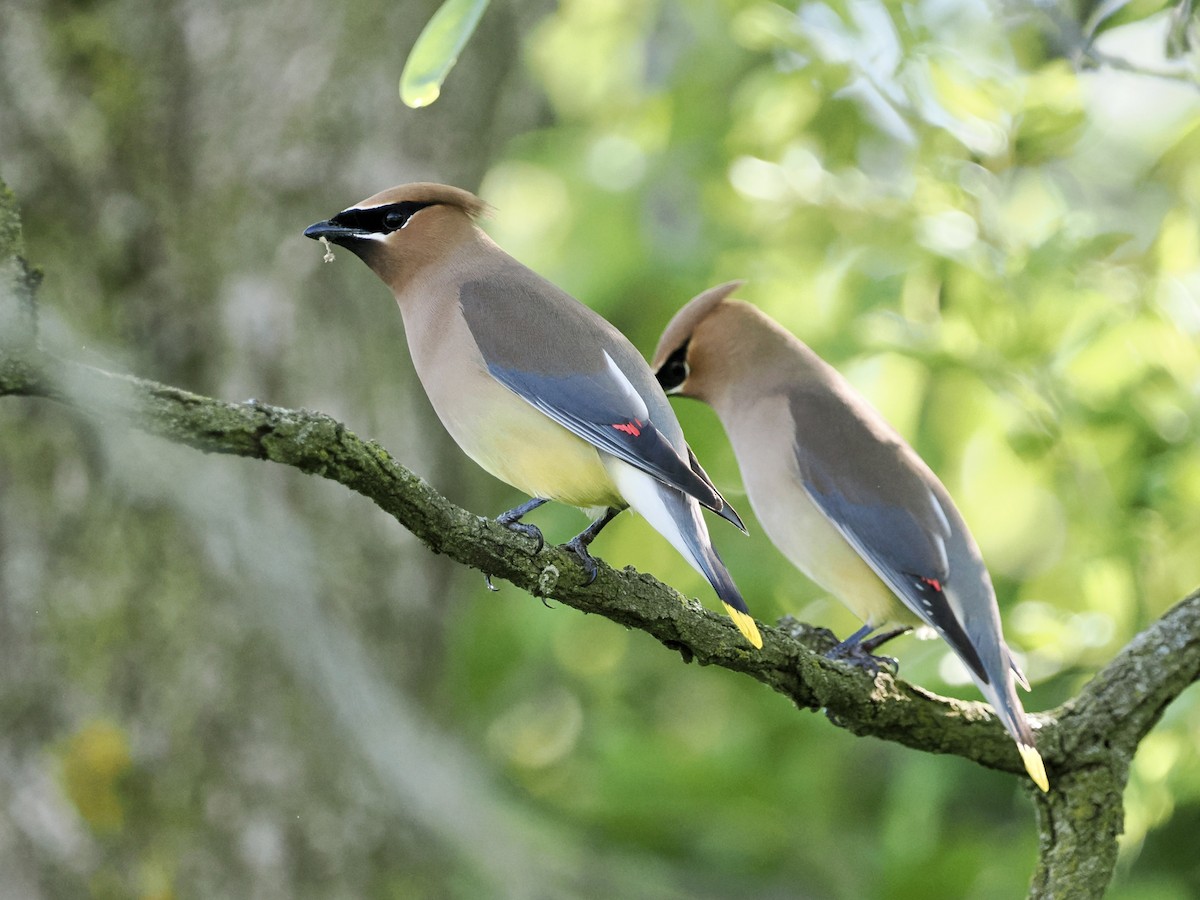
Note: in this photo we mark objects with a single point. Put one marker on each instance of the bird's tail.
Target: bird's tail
(677, 517)
(1002, 694)
(705, 557)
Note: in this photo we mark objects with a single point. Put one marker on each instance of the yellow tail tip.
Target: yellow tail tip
(746, 625)
(1034, 766)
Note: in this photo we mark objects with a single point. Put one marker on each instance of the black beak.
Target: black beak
(335, 234)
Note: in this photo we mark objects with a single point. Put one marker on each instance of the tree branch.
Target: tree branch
(1094, 738)
(1117, 707)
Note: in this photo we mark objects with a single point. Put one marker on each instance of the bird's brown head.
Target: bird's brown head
(397, 231)
(689, 354)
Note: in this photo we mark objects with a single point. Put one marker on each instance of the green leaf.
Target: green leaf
(436, 50)
(1111, 14)
(1179, 37)
(1103, 11)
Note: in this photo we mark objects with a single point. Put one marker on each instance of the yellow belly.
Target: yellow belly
(541, 458)
(523, 447)
(818, 549)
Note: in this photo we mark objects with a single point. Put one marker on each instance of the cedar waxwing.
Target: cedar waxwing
(538, 389)
(841, 493)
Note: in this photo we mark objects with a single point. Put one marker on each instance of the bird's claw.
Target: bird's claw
(579, 544)
(512, 521)
(857, 650)
(579, 548)
(860, 656)
(530, 531)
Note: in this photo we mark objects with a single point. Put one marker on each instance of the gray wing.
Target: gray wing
(574, 366)
(873, 488)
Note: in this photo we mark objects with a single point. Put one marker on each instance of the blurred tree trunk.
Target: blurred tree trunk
(173, 150)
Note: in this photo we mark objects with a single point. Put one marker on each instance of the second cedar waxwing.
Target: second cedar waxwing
(535, 387)
(841, 493)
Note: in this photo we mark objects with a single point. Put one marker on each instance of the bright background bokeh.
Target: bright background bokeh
(221, 678)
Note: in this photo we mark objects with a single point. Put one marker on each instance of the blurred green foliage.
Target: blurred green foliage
(220, 679)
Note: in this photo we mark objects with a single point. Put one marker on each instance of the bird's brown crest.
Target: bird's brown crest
(680, 328)
(428, 192)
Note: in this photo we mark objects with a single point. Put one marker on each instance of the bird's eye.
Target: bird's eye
(674, 372)
(394, 220)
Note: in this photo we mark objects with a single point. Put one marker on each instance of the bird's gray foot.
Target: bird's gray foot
(871, 645)
(512, 521)
(579, 548)
(859, 652)
(579, 544)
